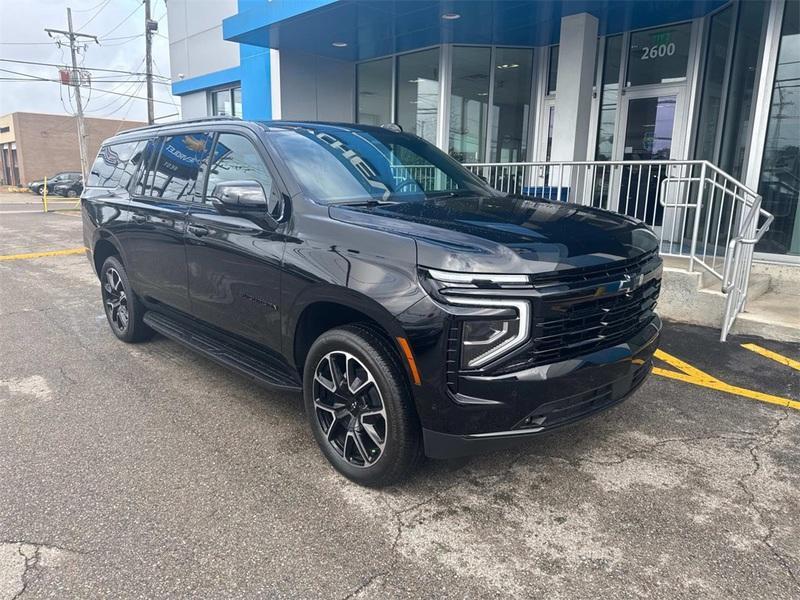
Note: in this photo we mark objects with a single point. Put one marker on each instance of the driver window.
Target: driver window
(236, 159)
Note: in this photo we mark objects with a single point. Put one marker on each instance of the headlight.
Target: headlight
(480, 339)
(483, 340)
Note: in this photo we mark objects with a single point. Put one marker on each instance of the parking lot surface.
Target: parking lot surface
(147, 471)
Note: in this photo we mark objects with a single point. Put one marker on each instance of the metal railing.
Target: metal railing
(698, 211)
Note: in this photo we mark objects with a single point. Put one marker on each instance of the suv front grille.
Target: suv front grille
(571, 329)
(573, 323)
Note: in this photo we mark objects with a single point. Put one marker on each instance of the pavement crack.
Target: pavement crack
(30, 569)
(365, 584)
(752, 503)
(638, 452)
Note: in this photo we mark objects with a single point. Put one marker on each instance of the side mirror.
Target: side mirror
(239, 196)
(244, 198)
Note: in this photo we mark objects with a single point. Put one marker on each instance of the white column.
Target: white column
(275, 82)
(576, 59)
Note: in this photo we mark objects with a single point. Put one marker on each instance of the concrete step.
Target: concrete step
(683, 298)
(775, 316)
(759, 284)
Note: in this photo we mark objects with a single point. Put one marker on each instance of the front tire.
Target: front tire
(360, 407)
(123, 308)
(72, 194)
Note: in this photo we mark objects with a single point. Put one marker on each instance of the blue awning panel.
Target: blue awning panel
(372, 28)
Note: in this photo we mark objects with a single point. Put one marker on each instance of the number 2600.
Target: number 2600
(658, 51)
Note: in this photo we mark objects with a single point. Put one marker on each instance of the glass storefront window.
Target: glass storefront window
(237, 102)
(227, 102)
(780, 171)
(418, 93)
(744, 65)
(469, 102)
(609, 96)
(374, 80)
(511, 104)
(552, 70)
(711, 97)
(659, 55)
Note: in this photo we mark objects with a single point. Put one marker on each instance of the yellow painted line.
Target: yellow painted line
(784, 360)
(42, 254)
(693, 375)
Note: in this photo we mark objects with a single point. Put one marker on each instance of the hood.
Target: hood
(507, 234)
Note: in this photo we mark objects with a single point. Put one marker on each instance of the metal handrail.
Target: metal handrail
(741, 240)
(700, 212)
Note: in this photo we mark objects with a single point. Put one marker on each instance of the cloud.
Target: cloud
(120, 26)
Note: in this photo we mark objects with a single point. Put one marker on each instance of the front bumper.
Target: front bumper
(496, 412)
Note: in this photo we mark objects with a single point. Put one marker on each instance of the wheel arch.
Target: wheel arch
(105, 246)
(328, 309)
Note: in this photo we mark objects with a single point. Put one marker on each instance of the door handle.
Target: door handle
(138, 218)
(198, 230)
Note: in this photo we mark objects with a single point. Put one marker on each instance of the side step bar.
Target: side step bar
(264, 370)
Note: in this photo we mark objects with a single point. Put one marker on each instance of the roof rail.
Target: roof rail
(181, 122)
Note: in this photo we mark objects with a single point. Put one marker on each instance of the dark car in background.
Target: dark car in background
(69, 189)
(37, 187)
(416, 309)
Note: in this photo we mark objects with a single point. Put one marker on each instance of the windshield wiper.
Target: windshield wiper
(368, 203)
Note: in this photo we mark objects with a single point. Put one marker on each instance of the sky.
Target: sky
(119, 24)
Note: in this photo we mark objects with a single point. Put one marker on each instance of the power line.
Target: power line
(98, 90)
(121, 23)
(83, 10)
(30, 62)
(95, 15)
(26, 43)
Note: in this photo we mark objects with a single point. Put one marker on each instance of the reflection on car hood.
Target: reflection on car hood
(506, 234)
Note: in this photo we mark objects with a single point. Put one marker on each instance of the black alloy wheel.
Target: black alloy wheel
(115, 300)
(360, 407)
(123, 308)
(349, 409)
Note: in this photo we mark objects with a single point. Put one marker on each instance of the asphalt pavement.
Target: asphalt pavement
(141, 471)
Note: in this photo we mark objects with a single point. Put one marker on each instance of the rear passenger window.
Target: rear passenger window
(179, 162)
(115, 165)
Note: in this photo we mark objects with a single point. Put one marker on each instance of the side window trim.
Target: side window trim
(200, 192)
(279, 187)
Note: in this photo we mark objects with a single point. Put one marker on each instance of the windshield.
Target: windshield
(338, 164)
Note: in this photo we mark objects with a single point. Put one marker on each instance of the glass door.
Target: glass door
(651, 128)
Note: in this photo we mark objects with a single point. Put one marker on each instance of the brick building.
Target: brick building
(36, 145)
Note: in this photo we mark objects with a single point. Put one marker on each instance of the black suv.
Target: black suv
(37, 187)
(417, 309)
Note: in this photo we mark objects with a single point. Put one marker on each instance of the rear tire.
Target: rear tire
(123, 308)
(360, 407)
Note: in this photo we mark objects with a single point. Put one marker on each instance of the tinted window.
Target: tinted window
(337, 164)
(115, 165)
(659, 55)
(236, 159)
(148, 160)
(179, 162)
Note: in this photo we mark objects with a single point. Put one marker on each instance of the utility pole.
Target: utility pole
(75, 80)
(150, 27)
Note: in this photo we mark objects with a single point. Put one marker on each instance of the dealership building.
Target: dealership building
(522, 81)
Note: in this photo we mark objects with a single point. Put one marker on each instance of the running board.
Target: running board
(263, 369)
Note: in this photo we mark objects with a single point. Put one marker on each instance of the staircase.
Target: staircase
(772, 309)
